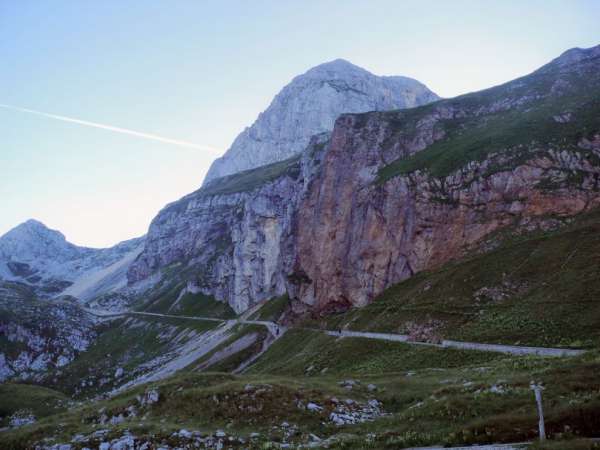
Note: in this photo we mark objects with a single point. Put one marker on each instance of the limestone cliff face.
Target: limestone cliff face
(309, 105)
(390, 194)
(231, 241)
(403, 192)
(356, 237)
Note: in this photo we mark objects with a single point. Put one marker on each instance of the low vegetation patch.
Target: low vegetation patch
(249, 180)
(539, 290)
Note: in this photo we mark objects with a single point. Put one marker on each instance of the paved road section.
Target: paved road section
(277, 330)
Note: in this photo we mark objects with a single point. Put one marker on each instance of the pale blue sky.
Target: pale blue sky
(202, 71)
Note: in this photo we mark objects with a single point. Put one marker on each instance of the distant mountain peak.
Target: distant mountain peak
(309, 105)
(575, 55)
(336, 65)
(33, 223)
(32, 230)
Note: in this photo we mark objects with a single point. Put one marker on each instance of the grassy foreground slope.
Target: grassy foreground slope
(37, 400)
(541, 289)
(458, 405)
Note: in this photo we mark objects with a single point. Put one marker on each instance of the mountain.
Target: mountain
(38, 335)
(309, 105)
(389, 194)
(42, 258)
(406, 191)
(397, 284)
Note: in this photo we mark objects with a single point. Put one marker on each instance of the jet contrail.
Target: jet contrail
(112, 128)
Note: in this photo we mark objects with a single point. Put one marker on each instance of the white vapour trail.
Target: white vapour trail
(113, 128)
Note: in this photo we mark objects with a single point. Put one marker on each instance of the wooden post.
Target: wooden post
(537, 389)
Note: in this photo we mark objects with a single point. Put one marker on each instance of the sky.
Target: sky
(196, 73)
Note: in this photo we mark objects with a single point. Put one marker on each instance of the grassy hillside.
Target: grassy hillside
(125, 343)
(519, 117)
(251, 179)
(37, 400)
(312, 353)
(541, 289)
(273, 309)
(459, 405)
(163, 299)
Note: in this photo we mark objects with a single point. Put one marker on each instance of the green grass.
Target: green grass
(455, 405)
(192, 324)
(199, 305)
(566, 444)
(38, 400)
(232, 362)
(249, 180)
(521, 130)
(533, 290)
(311, 353)
(124, 343)
(202, 306)
(273, 309)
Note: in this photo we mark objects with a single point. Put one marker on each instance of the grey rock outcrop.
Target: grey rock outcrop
(309, 105)
(39, 335)
(356, 212)
(232, 241)
(33, 254)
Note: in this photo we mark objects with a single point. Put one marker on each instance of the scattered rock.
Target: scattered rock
(21, 418)
(185, 434)
(314, 407)
(352, 412)
(150, 397)
(116, 420)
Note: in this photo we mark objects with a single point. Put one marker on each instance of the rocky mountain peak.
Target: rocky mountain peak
(575, 55)
(42, 258)
(573, 59)
(32, 239)
(337, 67)
(309, 105)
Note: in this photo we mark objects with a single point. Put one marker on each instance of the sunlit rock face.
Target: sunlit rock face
(309, 105)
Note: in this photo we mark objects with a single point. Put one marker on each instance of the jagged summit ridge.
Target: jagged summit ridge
(309, 105)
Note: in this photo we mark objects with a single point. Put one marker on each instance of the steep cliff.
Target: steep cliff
(309, 105)
(232, 239)
(401, 192)
(389, 194)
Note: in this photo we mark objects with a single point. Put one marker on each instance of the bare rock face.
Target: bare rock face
(230, 241)
(389, 194)
(383, 209)
(42, 258)
(356, 237)
(309, 105)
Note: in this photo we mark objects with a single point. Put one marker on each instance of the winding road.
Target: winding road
(277, 331)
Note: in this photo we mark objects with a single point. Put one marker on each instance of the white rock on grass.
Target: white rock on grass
(21, 418)
(314, 407)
